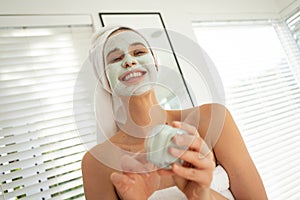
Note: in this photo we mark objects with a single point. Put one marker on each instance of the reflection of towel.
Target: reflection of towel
(172, 193)
(220, 184)
(96, 54)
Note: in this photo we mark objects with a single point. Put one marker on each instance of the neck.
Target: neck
(144, 110)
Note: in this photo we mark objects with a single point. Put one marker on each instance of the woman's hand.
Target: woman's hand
(138, 181)
(195, 175)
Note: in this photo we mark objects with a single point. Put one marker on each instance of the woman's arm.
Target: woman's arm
(96, 179)
(232, 154)
(194, 176)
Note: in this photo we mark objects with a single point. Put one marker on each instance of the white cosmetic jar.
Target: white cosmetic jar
(157, 145)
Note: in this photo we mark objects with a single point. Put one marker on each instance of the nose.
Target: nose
(129, 61)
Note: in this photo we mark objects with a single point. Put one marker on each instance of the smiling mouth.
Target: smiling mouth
(132, 75)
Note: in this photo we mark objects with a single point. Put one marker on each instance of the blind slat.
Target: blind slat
(35, 152)
(56, 189)
(42, 193)
(70, 133)
(22, 173)
(38, 118)
(24, 129)
(70, 194)
(37, 66)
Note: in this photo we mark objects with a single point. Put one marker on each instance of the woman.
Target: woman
(127, 69)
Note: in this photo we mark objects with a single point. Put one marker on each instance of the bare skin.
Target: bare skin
(245, 182)
(110, 169)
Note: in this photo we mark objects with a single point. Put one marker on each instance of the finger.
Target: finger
(130, 164)
(205, 152)
(194, 143)
(149, 167)
(197, 144)
(190, 141)
(121, 181)
(184, 126)
(165, 172)
(141, 156)
(192, 157)
(200, 176)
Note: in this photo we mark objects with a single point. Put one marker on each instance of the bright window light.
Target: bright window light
(263, 95)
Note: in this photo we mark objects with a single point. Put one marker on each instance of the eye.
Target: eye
(116, 59)
(139, 52)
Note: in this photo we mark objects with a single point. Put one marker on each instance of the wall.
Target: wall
(286, 7)
(177, 15)
(232, 9)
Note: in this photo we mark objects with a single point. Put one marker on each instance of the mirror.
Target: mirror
(152, 27)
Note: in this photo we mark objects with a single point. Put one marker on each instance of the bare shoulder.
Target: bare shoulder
(203, 112)
(206, 118)
(94, 158)
(208, 110)
(96, 175)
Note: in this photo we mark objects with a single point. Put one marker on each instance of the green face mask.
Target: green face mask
(158, 143)
(130, 66)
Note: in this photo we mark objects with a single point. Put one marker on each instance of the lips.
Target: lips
(133, 77)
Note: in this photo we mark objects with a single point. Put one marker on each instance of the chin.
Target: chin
(134, 90)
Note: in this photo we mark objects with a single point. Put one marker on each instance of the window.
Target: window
(257, 65)
(294, 25)
(40, 150)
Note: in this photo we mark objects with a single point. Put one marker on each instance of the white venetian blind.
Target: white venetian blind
(257, 63)
(293, 30)
(294, 25)
(40, 150)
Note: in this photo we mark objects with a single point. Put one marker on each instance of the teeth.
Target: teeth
(132, 75)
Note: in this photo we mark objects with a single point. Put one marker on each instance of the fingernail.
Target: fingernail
(176, 123)
(175, 166)
(115, 177)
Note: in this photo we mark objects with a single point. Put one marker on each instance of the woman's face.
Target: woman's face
(129, 63)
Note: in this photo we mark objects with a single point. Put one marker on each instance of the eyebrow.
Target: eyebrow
(137, 43)
(117, 49)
